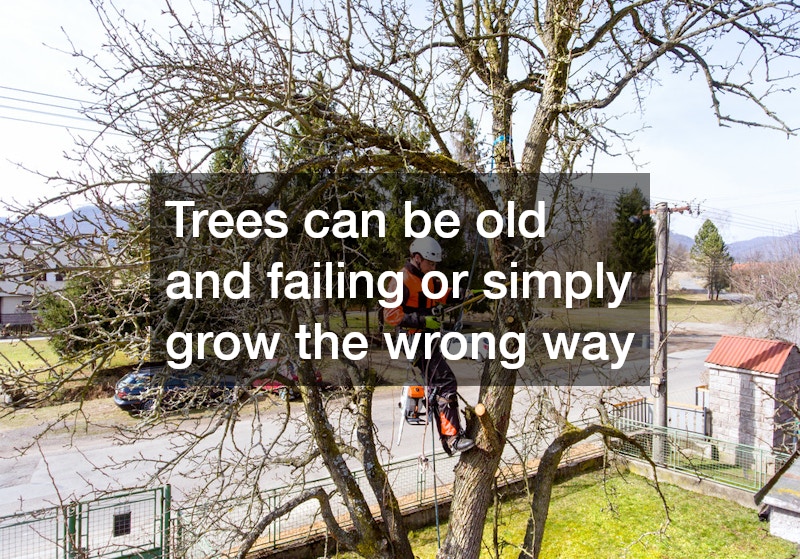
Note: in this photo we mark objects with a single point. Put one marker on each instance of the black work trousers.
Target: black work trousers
(442, 388)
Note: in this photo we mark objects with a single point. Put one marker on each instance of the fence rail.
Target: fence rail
(737, 465)
(123, 526)
(214, 530)
(685, 417)
(141, 524)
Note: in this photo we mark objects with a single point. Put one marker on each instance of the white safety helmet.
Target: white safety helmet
(428, 248)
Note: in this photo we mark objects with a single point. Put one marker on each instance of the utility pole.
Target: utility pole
(658, 377)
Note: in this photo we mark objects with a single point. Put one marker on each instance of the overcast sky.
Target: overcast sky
(746, 180)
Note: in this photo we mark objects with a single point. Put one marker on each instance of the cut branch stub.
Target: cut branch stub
(488, 427)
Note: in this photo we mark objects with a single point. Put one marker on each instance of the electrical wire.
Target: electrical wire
(31, 92)
(65, 126)
(47, 113)
(79, 113)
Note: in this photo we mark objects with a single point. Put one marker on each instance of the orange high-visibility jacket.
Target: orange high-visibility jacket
(414, 300)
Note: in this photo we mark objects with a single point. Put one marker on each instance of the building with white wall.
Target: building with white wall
(751, 385)
(21, 281)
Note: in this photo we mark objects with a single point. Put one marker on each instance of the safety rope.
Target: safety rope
(502, 138)
(458, 322)
(431, 408)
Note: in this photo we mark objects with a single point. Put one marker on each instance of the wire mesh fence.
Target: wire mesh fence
(32, 535)
(729, 463)
(141, 525)
(127, 525)
(217, 529)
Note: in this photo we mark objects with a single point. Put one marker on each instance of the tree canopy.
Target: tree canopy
(634, 239)
(383, 88)
(711, 259)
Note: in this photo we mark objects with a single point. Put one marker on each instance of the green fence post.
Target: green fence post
(166, 515)
(275, 527)
(71, 535)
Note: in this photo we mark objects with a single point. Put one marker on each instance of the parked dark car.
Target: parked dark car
(284, 368)
(152, 385)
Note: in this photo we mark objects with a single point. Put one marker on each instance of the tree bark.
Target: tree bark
(393, 525)
(546, 475)
(317, 493)
(370, 540)
(473, 493)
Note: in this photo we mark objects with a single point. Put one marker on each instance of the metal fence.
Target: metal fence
(737, 465)
(695, 419)
(140, 524)
(216, 529)
(124, 526)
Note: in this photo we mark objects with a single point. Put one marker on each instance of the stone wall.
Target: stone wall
(786, 390)
(742, 407)
(746, 405)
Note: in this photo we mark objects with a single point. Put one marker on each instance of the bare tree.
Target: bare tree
(772, 293)
(378, 78)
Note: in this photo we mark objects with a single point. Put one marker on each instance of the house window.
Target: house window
(34, 272)
(122, 523)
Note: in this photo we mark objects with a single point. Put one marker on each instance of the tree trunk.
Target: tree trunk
(473, 493)
(393, 526)
(546, 475)
(370, 540)
(326, 314)
(474, 485)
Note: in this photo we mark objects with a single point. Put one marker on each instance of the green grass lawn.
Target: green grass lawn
(38, 356)
(28, 355)
(696, 307)
(680, 308)
(35, 354)
(624, 519)
(636, 315)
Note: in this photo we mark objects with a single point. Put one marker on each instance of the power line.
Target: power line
(740, 220)
(54, 105)
(85, 105)
(65, 126)
(81, 112)
(31, 92)
(47, 113)
(744, 221)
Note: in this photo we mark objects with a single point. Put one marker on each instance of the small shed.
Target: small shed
(782, 495)
(748, 379)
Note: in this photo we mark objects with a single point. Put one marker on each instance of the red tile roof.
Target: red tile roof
(764, 356)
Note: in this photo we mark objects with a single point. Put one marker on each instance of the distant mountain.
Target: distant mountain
(765, 248)
(85, 220)
(89, 219)
(758, 249)
(678, 239)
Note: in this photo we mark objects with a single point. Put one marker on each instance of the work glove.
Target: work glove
(432, 323)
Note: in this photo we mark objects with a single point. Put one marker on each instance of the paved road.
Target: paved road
(70, 463)
(684, 373)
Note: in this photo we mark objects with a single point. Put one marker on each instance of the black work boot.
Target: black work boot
(459, 443)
